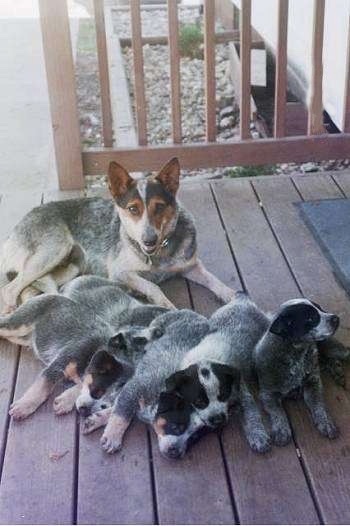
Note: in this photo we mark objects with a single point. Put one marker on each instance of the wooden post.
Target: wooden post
(281, 69)
(209, 60)
(315, 121)
(62, 93)
(245, 69)
(103, 72)
(173, 24)
(139, 85)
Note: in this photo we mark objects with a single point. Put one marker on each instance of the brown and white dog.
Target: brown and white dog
(140, 238)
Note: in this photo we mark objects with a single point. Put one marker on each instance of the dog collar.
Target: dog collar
(148, 257)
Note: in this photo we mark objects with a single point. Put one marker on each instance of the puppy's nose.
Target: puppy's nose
(84, 411)
(173, 452)
(335, 321)
(217, 420)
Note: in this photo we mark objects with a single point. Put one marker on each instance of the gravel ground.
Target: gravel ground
(157, 87)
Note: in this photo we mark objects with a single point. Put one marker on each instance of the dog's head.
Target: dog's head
(109, 368)
(176, 424)
(204, 390)
(147, 208)
(301, 320)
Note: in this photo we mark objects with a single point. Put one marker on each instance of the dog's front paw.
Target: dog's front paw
(21, 409)
(63, 404)
(260, 442)
(281, 436)
(110, 444)
(93, 422)
(328, 429)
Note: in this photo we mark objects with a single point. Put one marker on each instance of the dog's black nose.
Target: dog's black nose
(335, 321)
(84, 411)
(217, 420)
(173, 452)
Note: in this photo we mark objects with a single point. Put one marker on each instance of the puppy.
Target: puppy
(235, 329)
(141, 237)
(286, 361)
(67, 330)
(149, 393)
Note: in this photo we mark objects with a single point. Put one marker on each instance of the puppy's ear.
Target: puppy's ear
(117, 343)
(119, 181)
(104, 363)
(168, 402)
(229, 379)
(177, 381)
(169, 176)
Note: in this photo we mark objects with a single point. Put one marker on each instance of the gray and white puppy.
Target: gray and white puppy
(141, 237)
(286, 361)
(149, 393)
(67, 330)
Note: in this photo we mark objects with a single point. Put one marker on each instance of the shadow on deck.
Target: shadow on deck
(250, 235)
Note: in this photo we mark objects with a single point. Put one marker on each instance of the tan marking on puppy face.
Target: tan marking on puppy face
(158, 426)
(71, 372)
(160, 214)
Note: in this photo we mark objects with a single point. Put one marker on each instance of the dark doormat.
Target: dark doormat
(329, 221)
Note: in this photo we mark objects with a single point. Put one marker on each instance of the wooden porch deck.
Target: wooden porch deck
(251, 235)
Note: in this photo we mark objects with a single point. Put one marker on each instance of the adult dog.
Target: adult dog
(140, 238)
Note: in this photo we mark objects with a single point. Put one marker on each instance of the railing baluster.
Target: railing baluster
(346, 118)
(103, 73)
(59, 65)
(209, 58)
(140, 98)
(245, 46)
(281, 69)
(315, 121)
(174, 70)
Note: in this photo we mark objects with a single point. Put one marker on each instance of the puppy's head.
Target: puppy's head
(301, 320)
(102, 373)
(147, 208)
(176, 424)
(209, 387)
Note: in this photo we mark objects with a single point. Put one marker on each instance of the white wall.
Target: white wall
(264, 20)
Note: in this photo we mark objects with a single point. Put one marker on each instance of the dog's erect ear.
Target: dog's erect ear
(117, 342)
(119, 181)
(104, 363)
(169, 176)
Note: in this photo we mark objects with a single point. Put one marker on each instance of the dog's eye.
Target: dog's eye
(200, 403)
(160, 207)
(133, 210)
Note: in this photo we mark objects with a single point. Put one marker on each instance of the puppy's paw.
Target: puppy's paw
(260, 442)
(93, 422)
(63, 404)
(21, 409)
(281, 436)
(328, 429)
(110, 444)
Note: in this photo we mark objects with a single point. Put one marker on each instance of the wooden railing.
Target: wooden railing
(73, 163)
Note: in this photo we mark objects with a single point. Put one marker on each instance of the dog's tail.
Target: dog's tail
(28, 314)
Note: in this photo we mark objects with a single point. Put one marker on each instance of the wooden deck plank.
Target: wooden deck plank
(327, 462)
(271, 497)
(36, 488)
(185, 491)
(115, 489)
(21, 502)
(12, 208)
